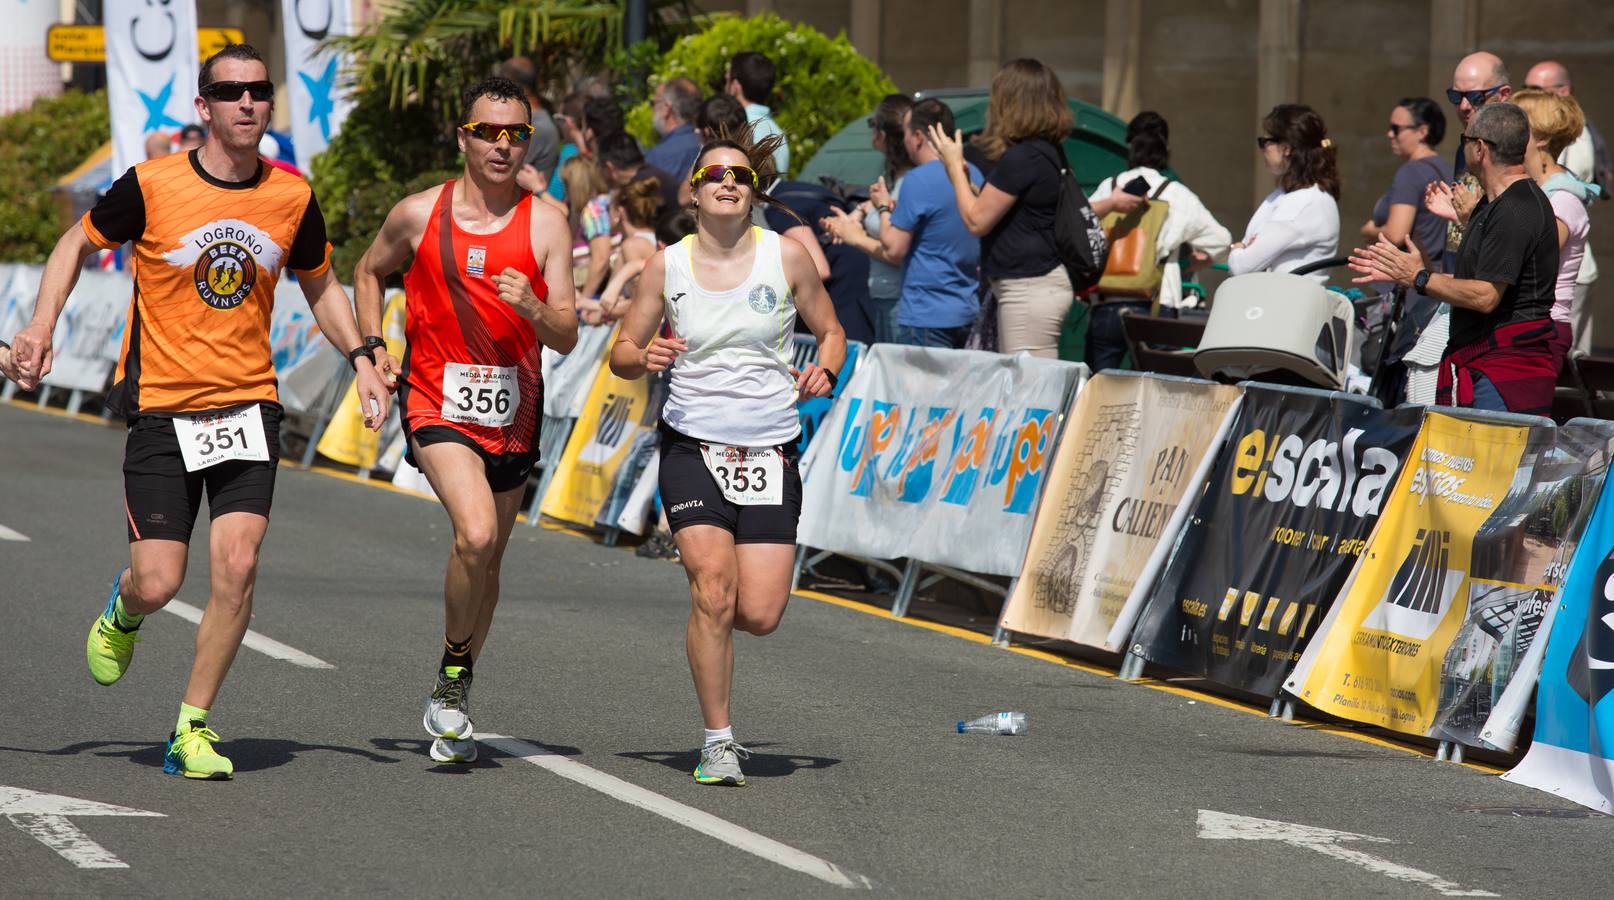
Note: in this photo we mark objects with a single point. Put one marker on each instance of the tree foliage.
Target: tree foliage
(408, 69)
(823, 82)
(39, 145)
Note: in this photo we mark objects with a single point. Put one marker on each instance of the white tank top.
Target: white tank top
(733, 385)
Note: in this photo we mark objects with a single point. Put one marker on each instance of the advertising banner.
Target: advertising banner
(1572, 754)
(89, 333)
(937, 455)
(319, 96)
(305, 362)
(1453, 587)
(1294, 495)
(568, 376)
(616, 413)
(151, 69)
(1130, 445)
(346, 440)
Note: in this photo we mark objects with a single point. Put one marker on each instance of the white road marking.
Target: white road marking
(43, 817)
(265, 645)
(1228, 827)
(689, 817)
(7, 534)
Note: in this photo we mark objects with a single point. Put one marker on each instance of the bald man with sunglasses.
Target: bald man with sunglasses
(489, 288)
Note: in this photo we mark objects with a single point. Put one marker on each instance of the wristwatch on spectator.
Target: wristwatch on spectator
(884, 208)
(1420, 282)
(375, 343)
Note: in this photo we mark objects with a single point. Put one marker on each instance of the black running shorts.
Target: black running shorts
(505, 471)
(161, 499)
(691, 496)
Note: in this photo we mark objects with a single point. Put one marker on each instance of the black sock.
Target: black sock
(456, 654)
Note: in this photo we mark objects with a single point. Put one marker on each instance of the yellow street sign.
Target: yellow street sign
(87, 43)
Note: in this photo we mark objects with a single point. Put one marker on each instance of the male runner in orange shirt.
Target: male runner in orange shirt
(212, 230)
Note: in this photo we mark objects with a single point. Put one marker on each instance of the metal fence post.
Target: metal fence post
(905, 592)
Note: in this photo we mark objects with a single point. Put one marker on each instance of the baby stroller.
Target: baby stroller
(1284, 328)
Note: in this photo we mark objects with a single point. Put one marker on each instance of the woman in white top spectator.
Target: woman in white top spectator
(1298, 223)
(1555, 122)
(1188, 223)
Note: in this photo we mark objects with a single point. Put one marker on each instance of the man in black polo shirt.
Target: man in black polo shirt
(1501, 354)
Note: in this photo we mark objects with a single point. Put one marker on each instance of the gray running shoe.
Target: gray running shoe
(448, 750)
(448, 712)
(720, 764)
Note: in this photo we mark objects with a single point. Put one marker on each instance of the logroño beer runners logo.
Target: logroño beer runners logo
(226, 258)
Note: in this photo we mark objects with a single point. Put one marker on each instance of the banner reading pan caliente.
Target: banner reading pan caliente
(1131, 446)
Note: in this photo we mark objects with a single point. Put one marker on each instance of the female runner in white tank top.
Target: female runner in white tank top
(729, 482)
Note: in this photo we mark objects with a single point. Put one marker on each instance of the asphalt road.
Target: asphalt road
(857, 779)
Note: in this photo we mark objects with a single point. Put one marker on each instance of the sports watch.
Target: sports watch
(375, 343)
(1420, 282)
(364, 350)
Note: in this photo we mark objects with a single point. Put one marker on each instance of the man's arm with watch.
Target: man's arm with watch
(1384, 261)
(334, 314)
(1476, 294)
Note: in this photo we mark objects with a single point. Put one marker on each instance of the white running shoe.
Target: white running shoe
(448, 712)
(448, 750)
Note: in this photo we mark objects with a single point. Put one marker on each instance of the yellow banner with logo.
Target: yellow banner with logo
(616, 412)
(346, 440)
(1379, 657)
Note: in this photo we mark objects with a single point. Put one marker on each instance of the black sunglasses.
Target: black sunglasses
(1464, 140)
(1396, 129)
(231, 91)
(1263, 142)
(1475, 98)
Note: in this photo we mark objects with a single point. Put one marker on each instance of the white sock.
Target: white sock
(718, 735)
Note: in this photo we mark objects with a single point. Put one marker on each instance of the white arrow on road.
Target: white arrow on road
(1219, 826)
(43, 817)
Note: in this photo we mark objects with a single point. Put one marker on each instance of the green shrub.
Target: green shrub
(381, 155)
(823, 82)
(38, 145)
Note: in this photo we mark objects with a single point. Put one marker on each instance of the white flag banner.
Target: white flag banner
(151, 68)
(319, 99)
(937, 455)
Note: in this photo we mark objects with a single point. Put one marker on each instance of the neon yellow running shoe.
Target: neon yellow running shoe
(191, 754)
(109, 648)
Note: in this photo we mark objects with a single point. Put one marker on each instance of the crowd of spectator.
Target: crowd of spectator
(953, 245)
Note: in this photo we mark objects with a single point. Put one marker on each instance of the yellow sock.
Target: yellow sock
(189, 714)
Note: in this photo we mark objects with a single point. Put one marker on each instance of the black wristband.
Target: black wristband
(361, 350)
(375, 343)
(834, 380)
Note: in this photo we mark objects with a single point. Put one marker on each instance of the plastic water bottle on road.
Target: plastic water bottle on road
(996, 723)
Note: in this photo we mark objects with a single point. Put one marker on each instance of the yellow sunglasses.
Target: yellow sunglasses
(492, 132)
(742, 175)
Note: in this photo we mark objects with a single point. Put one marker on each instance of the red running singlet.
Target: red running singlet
(473, 363)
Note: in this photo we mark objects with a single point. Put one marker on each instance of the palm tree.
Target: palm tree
(417, 46)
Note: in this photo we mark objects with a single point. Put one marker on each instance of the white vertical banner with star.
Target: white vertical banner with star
(319, 100)
(151, 68)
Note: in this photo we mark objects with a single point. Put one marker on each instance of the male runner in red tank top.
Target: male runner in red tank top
(490, 287)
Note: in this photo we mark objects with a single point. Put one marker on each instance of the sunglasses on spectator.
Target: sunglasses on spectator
(1464, 140)
(1542, 87)
(1263, 141)
(717, 173)
(492, 131)
(231, 91)
(1474, 98)
(1396, 129)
